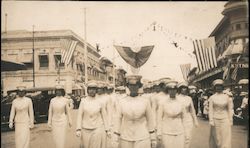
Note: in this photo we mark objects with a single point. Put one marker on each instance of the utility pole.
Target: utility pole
(6, 15)
(113, 64)
(85, 51)
(33, 54)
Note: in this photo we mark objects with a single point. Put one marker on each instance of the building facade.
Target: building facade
(231, 37)
(49, 70)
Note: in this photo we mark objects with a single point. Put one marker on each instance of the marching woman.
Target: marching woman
(170, 116)
(220, 117)
(190, 118)
(92, 121)
(23, 115)
(59, 115)
(134, 120)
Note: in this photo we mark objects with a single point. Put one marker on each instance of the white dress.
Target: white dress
(170, 123)
(92, 120)
(220, 114)
(189, 118)
(58, 111)
(133, 121)
(23, 115)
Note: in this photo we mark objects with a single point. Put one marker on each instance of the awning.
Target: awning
(98, 69)
(215, 71)
(234, 48)
(12, 66)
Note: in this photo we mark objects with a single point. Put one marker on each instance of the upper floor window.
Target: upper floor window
(58, 61)
(237, 27)
(246, 25)
(44, 61)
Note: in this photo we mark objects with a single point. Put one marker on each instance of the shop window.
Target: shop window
(44, 61)
(238, 27)
(58, 60)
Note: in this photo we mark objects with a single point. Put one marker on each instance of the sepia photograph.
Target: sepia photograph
(120, 74)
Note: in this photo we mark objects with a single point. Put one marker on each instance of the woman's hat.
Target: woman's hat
(120, 88)
(92, 84)
(182, 84)
(192, 87)
(59, 87)
(243, 82)
(243, 94)
(218, 82)
(133, 79)
(21, 88)
(99, 84)
(172, 84)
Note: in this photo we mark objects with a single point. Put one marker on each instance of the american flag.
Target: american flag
(227, 69)
(234, 73)
(68, 47)
(205, 53)
(185, 69)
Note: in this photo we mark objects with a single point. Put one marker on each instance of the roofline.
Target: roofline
(56, 33)
(223, 20)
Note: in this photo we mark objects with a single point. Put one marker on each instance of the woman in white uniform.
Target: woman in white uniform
(170, 116)
(92, 121)
(59, 116)
(190, 118)
(220, 117)
(134, 113)
(22, 114)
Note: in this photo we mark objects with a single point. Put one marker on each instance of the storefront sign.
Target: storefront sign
(241, 65)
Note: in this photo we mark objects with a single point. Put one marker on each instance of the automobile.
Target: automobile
(40, 96)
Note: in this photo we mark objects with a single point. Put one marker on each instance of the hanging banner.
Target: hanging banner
(135, 59)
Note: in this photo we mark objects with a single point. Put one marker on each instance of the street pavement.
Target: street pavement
(41, 136)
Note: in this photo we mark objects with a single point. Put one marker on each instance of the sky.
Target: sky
(125, 23)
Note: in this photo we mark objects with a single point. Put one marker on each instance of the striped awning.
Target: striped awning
(234, 48)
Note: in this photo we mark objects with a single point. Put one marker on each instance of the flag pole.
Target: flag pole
(33, 54)
(85, 51)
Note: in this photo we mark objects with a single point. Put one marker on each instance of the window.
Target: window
(44, 61)
(58, 60)
(238, 27)
(246, 25)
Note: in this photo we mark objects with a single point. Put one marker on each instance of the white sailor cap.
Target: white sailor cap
(243, 82)
(120, 88)
(182, 84)
(59, 87)
(218, 82)
(133, 79)
(192, 87)
(172, 84)
(243, 94)
(21, 88)
(92, 84)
